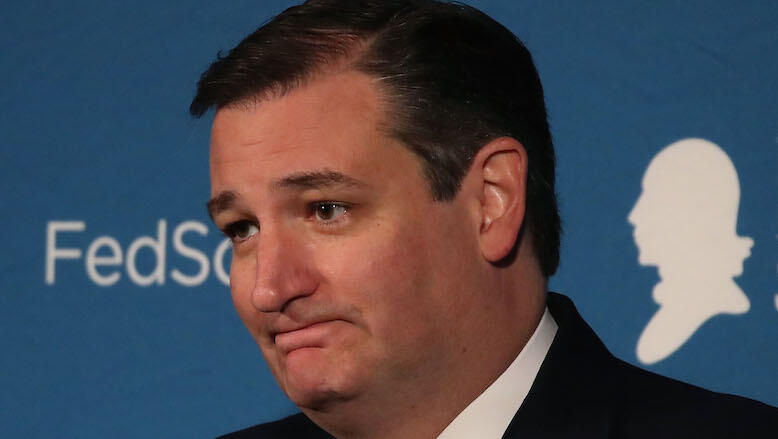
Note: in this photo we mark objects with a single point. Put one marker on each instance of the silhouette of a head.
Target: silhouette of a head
(685, 224)
(686, 218)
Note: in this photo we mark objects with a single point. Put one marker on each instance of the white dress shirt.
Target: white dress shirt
(489, 415)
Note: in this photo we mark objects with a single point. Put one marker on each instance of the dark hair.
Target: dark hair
(453, 78)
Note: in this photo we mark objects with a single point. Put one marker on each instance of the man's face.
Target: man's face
(351, 279)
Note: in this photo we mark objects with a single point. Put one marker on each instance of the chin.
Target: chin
(314, 383)
(310, 393)
(645, 255)
(313, 399)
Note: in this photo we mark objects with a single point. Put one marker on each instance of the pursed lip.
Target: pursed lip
(309, 335)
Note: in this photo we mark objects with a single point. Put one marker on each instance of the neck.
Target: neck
(701, 293)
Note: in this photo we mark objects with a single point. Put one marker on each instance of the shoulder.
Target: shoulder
(581, 384)
(651, 405)
(295, 426)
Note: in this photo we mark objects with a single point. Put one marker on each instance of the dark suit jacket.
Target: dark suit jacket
(582, 391)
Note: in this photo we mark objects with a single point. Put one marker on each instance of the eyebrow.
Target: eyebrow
(324, 179)
(220, 203)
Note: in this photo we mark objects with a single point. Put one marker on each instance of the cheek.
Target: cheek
(396, 277)
(241, 284)
(375, 271)
(242, 280)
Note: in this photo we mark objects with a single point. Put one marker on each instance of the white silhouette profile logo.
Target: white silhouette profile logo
(685, 224)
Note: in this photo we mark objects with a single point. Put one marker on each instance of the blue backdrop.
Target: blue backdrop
(115, 320)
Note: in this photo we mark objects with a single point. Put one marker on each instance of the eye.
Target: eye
(328, 211)
(241, 230)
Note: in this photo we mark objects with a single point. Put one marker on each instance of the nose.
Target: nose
(283, 272)
(632, 218)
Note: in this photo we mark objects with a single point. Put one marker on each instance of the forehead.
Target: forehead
(335, 122)
(334, 109)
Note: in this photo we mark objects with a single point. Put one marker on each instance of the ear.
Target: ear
(503, 178)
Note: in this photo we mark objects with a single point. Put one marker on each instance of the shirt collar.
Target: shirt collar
(491, 412)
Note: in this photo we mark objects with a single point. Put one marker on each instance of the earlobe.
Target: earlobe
(503, 165)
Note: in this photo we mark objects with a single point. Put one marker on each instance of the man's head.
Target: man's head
(451, 77)
(375, 204)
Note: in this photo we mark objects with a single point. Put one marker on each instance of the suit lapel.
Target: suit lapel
(571, 396)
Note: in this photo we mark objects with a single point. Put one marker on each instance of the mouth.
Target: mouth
(314, 335)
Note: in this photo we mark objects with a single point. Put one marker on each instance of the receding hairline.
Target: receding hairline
(389, 110)
(342, 57)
